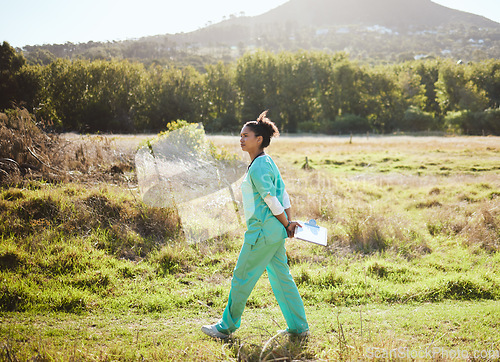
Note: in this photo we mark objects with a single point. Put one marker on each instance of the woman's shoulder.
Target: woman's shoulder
(264, 160)
(262, 164)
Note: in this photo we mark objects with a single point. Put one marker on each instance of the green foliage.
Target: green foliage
(482, 123)
(191, 137)
(454, 121)
(174, 258)
(294, 89)
(87, 96)
(412, 86)
(221, 98)
(347, 88)
(10, 65)
(349, 123)
(168, 94)
(457, 89)
(417, 120)
(305, 91)
(474, 123)
(256, 79)
(113, 222)
(188, 136)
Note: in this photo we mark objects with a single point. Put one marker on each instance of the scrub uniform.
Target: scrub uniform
(263, 248)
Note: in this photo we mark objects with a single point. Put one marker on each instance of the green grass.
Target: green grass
(88, 272)
(337, 333)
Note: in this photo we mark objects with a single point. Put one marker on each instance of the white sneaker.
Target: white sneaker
(212, 331)
(301, 335)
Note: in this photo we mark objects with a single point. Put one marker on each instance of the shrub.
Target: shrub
(482, 123)
(172, 259)
(15, 293)
(11, 256)
(483, 229)
(458, 288)
(417, 120)
(364, 233)
(311, 126)
(28, 152)
(38, 208)
(349, 123)
(24, 147)
(474, 123)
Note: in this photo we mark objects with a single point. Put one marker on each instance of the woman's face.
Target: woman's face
(249, 142)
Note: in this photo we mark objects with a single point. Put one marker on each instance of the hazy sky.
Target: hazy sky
(31, 22)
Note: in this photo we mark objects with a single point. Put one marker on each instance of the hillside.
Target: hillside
(401, 14)
(383, 30)
(419, 26)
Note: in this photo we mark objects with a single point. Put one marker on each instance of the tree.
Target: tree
(486, 76)
(10, 64)
(256, 79)
(220, 98)
(295, 89)
(111, 95)
(326, 108)
(429, 74)
(41, 57)
(347, 88)
(91, 96)
(30, 86)
(456, 91)
(412, 89)
(383, 100)
(170, 94)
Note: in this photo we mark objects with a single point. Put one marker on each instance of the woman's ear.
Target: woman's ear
(260, 139)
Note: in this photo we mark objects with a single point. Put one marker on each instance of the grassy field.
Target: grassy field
(88, 272)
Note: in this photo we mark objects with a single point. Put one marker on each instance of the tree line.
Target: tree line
(368, 43)
(316, 92)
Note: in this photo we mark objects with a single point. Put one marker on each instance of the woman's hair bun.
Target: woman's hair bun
(268, 125)
(264, 127)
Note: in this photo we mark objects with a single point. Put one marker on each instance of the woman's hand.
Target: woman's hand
(290, 229)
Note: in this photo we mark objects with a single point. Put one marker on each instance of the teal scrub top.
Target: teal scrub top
(261, 179)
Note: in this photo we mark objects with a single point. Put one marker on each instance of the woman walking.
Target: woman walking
(268, 217)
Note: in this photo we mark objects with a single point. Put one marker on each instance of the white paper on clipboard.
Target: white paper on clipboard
(311, 232)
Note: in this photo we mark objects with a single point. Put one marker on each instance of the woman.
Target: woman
(268, 219)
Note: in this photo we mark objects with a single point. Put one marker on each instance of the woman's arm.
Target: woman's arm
(282, 212)
(289, 225)
(288, 211)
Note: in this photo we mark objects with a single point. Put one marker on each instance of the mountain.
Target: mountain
(389, 13)
(383, 30)
(419, 27)
(397, 15)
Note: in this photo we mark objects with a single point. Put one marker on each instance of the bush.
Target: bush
(453, 121)
(417, 120)
(349, 123)
(27, 152)
(173, 258)
(474, 123)
(311, 126)
(23, 146)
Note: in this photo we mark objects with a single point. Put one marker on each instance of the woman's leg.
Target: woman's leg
(286, 293)
(252, 262)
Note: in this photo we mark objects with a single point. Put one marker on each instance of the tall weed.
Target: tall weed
(27, 152)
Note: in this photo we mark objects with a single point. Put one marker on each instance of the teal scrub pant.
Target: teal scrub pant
(252, 262)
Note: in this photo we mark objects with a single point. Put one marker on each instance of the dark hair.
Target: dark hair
(264, 127)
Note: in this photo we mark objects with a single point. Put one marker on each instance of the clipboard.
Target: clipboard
(311, 232)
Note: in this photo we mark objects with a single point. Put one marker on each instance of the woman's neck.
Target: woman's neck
(255, 154)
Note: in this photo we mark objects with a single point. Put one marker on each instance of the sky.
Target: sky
(37, 22)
